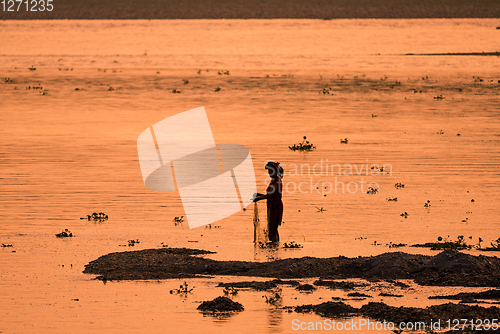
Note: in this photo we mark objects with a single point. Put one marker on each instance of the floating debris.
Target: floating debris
(344, 141)
(6, 245)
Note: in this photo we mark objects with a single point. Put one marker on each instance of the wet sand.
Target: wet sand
(260, 9)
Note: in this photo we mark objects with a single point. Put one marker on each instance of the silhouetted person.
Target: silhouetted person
(274, 203)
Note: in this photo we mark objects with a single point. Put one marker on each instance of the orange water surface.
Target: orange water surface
(433, 123)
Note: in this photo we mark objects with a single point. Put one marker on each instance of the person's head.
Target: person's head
(274, 169)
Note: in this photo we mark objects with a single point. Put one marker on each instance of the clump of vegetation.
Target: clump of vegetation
(183, 289)
(229, 290)
(399, 185)
(97, 217)
(391, 245)
(292, 244)
(304, 146)
(178, 220)
(459, 244)
(6, 245)
(131, 243)
(65, 234)
(273, 300)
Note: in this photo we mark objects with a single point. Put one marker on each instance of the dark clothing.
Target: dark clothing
(274, 209)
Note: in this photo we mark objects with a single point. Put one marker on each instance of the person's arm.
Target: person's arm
(270, 193)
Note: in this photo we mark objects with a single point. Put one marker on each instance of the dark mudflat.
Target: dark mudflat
(448, 268)
(220, 304)
(489, 294)
(383, 312)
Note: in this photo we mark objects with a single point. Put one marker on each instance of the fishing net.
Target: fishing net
(259, 232)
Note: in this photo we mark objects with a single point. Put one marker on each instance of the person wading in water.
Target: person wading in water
(274, 203)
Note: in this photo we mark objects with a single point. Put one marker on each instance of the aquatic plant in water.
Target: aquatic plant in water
(183, 289)
(98, 217)
(459, 244)
(273, 300)
(178, 220)
(230, 291)
(305, 146)
(292, 244)
(132, 243)
(65, 234)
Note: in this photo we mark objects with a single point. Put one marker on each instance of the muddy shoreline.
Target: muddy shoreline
(448, 268)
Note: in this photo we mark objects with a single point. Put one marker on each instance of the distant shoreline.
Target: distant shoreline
(261, 9)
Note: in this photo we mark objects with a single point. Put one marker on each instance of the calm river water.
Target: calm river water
(68, 148)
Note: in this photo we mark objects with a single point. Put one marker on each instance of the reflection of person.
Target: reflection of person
(274, 203)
